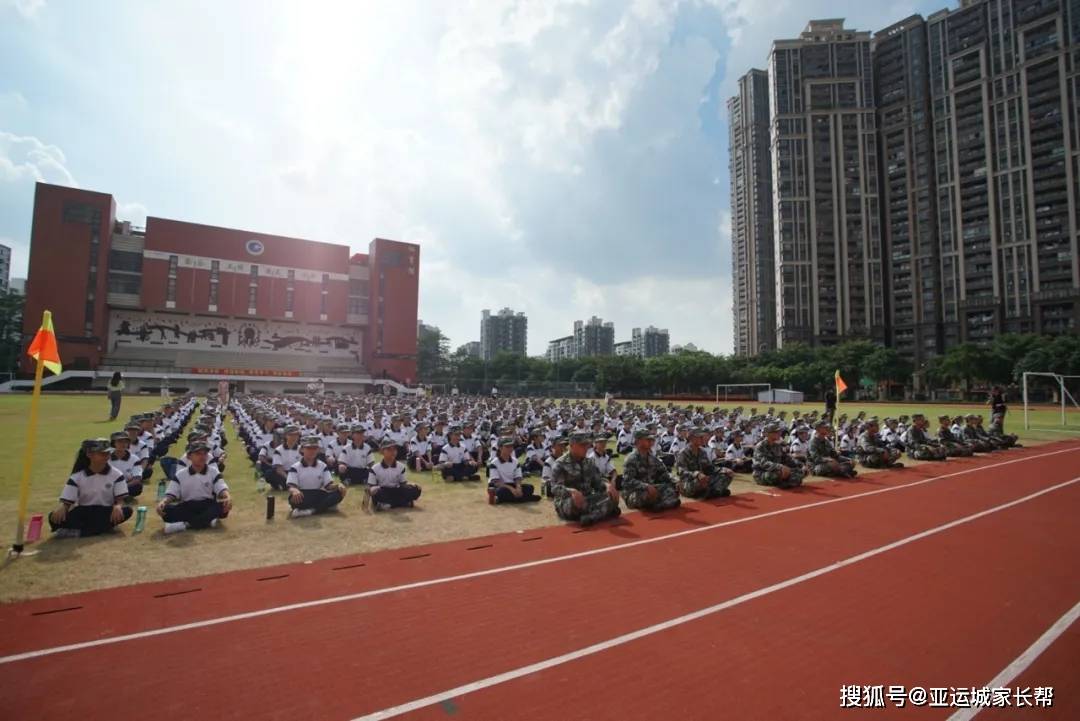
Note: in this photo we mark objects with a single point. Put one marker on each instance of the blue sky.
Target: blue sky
(561, 157)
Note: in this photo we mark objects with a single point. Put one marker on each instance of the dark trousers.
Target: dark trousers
(459, 472)
(318, 499)
(114, 402)
(135, 489)
(197, 514)
(90, 520)
(532, 466)
(355, 476)
(396, 496)
(275, 479)
(505, 495)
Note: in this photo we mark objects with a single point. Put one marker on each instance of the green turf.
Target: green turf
(445, 512)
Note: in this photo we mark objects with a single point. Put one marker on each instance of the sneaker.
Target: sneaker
(301, 512)
(898, 464)
(175, 527)
(214, 522)
(66, 533)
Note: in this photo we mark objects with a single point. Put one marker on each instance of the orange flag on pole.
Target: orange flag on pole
(841, 386)
(43, 347)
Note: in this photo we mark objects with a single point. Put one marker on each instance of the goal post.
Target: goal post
(740, 391)
(1056, 380)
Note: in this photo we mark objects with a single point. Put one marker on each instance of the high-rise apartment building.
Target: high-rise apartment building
(908, 190)
(753, 270)
(503, 332)
(830, 284)
(5, 268)
(594, 338)
(1005, 87)
(650, 342)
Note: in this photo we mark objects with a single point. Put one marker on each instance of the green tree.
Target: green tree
(432, 354)
(11, 313)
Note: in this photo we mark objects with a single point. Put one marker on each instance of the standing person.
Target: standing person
(92, 501)
(165, 388)
(830, 404)
(115, 391)
(997, 404)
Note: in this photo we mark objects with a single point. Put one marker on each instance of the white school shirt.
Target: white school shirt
(535, 453)
(957, 430)
(128, 466)
(453, 454)
(437, 439)
(677, 445)
(500, 471)
(602, 461)
(549, 466)
(383, 475)
(420, 447)
(190, 485)
(353, 456)
(626, 438)
(847, 443)
(285, 457)
(734, 452)
(86, 488)
(799, 447)
(470, 444)
(309, 478)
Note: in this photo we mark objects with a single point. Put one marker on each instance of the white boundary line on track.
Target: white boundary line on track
(1024, 660)
(695, 615)
(26, 655)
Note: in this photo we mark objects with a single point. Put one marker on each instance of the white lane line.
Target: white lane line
(108, 640)
(680, 620)
(1024, 660)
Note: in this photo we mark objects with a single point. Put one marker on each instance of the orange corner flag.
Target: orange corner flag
(841, 386)
(43, 347)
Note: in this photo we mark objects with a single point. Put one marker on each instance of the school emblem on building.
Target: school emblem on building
(254, 247)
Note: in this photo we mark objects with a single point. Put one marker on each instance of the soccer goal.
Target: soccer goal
(1055, 386)
(740, 392)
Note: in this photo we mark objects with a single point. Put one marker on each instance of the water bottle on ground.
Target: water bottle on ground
(161, 490)
(140, 519)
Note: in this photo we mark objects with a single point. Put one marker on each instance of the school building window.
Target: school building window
(174, 262)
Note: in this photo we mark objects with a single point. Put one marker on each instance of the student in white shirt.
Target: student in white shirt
(127, 462)
(311, 488)
(848, 442)
(558, 448)
(504, 477)
(602, 456)
(735, 456)
(354, 458)
(534, 454)
(285, 455)
(387, 483)
(92, 501)
(800, 444)
(455, 462)
(198, 497)
(420, 450)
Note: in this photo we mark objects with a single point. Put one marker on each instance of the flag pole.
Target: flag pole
(28, 456)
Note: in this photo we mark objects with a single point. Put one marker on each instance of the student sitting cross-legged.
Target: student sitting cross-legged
(504, 477)
(127, 462)
(455, 461)
(354, 458)
(198, 497)
(386, 482)
(92, 501)
(311, 489)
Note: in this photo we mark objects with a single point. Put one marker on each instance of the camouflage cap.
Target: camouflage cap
(387, 443)
(342, 427)
(309, 441)
(196, 434)
(453, 430)
(773, 428)
(506, 441)
(96, 445)
(559, 440)
(643, 433)
(970, 416)
(132, 427)
(118, 436)
(872, 421)
(916, 417)
(357, 428)
(944, 418)
(699, 431)
(581, 437)
(291, 429)
(822, 424)
(601, 437)
(197, 446)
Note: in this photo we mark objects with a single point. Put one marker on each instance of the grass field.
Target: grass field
(246, 539)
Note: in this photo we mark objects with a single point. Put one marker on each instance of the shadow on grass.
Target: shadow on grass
(61, 550)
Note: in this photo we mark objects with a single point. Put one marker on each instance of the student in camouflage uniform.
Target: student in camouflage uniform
(698, 476)
(825, 460)
(999, 443)
(953, 445)
(646, 481)
(579, 492)
(920, 445)
(974, 438)
(996, 431)
(872, 451)
(772, 465)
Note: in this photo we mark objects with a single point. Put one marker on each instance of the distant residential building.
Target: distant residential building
(594, 338)
(423, 328)
(470, 349)
(624, 348)
(5, 268)
(650, 342)
(561, 349)
(753, 268)
(18, 285)
(503, 332)
(689, 348)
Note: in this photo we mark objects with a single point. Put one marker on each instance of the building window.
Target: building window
(254, 273)
(81, 213)
(174, 262)
(358, 306)
(252, 293)
(288, 300)
(392, 259)
(170, 292)
(126, 261)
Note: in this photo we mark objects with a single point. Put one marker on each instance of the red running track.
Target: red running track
(951, 609)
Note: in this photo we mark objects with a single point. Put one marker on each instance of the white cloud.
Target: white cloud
(135, 213)
(26, 8)
(25, 158)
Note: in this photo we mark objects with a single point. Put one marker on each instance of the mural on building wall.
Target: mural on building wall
(163, 331)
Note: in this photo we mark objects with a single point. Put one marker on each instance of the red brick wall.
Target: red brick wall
(59, 274)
